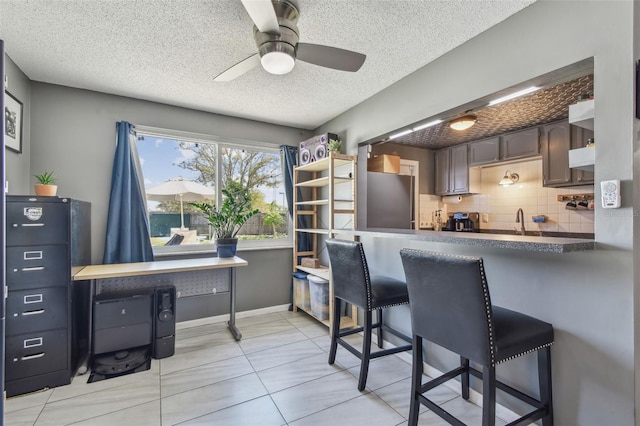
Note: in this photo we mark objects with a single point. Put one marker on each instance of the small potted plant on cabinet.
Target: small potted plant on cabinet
(228, 219)
(45, 186)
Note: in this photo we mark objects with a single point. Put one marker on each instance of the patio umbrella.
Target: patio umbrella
(180, 190)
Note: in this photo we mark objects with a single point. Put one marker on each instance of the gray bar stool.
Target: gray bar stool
(352, 284)
(451, 307)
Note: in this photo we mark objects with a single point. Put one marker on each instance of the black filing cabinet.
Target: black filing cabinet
(45, 238)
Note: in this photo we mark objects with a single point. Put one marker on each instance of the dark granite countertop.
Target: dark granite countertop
(535, 243)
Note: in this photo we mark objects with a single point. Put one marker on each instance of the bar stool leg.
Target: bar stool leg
(335, 331)
(544, 379)
(464, 379)
(416, 380)
(366, 351)
(488, 396)
(380, 328)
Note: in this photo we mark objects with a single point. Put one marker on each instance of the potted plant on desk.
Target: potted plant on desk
(45, 186)
(228, 219)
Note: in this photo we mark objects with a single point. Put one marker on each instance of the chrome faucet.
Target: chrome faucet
(520, 220)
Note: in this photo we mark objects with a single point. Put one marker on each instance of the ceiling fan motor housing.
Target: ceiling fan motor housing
(287, 40)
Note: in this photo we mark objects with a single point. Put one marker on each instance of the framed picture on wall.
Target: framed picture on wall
(12, 123)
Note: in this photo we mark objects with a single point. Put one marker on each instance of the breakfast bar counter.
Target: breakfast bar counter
(530, 243)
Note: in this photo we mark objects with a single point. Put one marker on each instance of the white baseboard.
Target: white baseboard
(223, 318)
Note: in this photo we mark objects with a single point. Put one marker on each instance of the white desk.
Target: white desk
(95, 272)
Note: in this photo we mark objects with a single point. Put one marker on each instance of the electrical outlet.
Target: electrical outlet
(485, 217)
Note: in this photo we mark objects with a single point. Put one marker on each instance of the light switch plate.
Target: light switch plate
(485, 217)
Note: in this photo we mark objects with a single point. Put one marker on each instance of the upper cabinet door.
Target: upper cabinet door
(442, 171)
(484, 152)
(459, 170)
(556, 140)
(521, 144)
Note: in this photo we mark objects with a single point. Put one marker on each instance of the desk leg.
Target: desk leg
(232, 310)
(84, 365)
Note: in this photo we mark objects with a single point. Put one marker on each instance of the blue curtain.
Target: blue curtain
(127, 238)
(289, 159)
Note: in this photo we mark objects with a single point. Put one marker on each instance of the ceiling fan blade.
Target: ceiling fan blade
(330, 57)
(263, 15)
(238, 69)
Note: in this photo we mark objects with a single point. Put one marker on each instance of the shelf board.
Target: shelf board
(319, 165)
(313, 231)
(345, 322)
(322, 271)
(313, 203)
(323, 181)
(344, 211)
(581, 114)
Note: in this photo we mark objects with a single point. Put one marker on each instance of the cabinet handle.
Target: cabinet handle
(32, 224)
(29, 357)
(33, 268)
(38, 312)
(32, 343)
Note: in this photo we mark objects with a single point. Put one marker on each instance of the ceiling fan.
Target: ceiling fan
(276, 35)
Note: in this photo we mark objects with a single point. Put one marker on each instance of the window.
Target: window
(177, 171)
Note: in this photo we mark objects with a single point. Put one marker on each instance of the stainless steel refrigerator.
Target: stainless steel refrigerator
(390, 201)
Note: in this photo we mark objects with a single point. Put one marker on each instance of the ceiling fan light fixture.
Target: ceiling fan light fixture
(464, 122)
(278, 63)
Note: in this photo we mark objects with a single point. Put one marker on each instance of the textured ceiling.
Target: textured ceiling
(543, 106)
(169, 51)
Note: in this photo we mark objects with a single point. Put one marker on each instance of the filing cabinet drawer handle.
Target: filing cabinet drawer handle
(38, 312)
(33, 298)
(33, 268)
(29, 357)
(32, 343)
(32, 255)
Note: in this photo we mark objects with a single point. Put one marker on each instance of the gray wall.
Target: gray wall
(72, 132)
(17, 167)
(587, 296)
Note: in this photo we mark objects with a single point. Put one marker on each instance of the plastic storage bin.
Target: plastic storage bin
(319, 289)
(301, 290)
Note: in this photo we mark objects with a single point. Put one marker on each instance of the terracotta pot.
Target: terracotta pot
(46, 190)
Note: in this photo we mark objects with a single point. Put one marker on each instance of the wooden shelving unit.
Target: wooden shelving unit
(331, 206)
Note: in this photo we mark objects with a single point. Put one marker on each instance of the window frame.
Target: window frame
(220, 143)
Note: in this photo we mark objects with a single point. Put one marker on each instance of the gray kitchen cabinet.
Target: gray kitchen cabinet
(459, 173)
(520, 144)
(452, 170)
(486, 151)
(442, 171)
(557, 139)
(579, 137)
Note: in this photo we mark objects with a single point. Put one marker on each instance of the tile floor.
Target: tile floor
(276, 375)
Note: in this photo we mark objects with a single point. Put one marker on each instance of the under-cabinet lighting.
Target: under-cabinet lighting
(425, 125)
(514, 95)
(400, 134)
(509, 178)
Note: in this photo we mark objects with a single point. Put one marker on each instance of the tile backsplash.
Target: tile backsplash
(499, 204)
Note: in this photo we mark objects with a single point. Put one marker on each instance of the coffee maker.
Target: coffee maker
(463, 222)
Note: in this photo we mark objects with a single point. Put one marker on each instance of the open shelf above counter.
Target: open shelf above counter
(582, 113)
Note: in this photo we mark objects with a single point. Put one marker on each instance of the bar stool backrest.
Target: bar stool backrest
(450, 303)
(350, 272)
